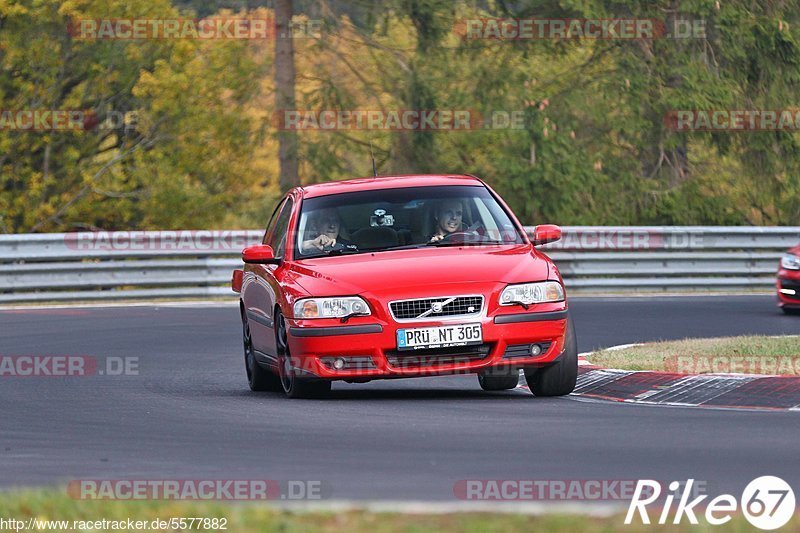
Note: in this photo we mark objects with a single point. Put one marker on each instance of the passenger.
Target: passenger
(448, 219)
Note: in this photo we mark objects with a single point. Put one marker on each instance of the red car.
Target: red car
(398, 277)
(789, 282)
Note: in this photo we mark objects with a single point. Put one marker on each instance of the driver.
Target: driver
(448, 219)
(325, 224)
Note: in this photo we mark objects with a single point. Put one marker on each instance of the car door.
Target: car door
(261, 288)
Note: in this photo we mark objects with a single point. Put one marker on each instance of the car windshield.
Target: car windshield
(414, 217)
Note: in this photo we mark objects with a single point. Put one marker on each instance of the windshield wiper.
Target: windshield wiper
(466, 243)
(342, 251)
(345, 318)
(328, 253)
(347, 251)
(401, 247)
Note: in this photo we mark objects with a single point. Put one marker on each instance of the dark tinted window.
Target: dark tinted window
(369, 221)
(278, 241)
(272, 220)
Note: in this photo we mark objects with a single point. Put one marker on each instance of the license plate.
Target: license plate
(439, 337)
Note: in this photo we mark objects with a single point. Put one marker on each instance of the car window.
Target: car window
(271, 223)
(278, 239)
(403, 217)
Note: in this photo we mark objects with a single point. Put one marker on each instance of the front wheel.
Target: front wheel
(293, 386)
(258, 378)
(559, 378)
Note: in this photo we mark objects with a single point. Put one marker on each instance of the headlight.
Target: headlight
(790, 262)
(532, 293)
(330, 307)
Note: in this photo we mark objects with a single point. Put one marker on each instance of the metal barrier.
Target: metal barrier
(180, 264)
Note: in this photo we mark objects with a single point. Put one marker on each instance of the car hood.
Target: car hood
(795, 250)
(409, 272)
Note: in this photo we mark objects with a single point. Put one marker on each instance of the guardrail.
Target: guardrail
(671, 258)
(179, 264)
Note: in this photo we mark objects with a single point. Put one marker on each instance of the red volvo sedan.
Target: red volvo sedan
(398, 277)
(789, 282)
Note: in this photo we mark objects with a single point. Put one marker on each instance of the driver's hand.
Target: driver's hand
(322, 241)
(318, 243)
(436, 238)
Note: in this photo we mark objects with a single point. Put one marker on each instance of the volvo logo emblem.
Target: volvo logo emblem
(436, 307)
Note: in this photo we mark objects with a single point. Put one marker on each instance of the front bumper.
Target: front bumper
(369, 346)
(788, 280)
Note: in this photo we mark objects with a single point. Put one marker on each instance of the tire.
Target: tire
(258, 377)
(791, 310)
(494, 381)
(559, 378)
(293, 386)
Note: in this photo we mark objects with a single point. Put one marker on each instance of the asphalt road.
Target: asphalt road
(189, 415)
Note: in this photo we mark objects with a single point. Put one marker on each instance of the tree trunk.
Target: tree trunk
(284, 93)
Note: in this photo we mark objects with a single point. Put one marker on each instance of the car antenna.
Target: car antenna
(372, 155)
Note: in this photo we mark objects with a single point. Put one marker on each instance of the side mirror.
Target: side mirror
(259, 254)
(546, 233)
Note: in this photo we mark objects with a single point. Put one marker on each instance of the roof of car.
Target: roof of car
(387, 182)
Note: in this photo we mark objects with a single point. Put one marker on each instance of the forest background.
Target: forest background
(199, 145)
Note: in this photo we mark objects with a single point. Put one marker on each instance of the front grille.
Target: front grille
(438, 356)
(452, 306)
(524, 350)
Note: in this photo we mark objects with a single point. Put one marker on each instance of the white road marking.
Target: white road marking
(600, 509)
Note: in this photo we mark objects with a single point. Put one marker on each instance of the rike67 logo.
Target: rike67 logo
(767, 503)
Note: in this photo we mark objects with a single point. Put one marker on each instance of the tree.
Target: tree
(284, 92)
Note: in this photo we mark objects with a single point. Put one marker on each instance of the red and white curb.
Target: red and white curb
(721, 391)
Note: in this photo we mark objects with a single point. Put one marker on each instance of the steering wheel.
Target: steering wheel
(477, 228)
(336, 246)
(339, 246)
(458, 236)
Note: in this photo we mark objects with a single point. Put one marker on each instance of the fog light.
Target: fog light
(338, 363)
(536, 350)
(790, 292)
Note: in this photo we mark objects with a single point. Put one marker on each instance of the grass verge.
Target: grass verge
(250, 517)
(738, 355)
